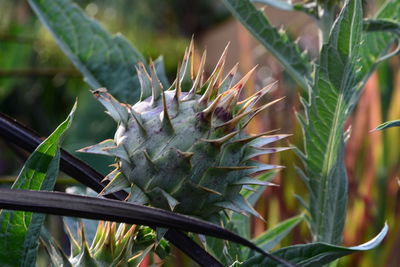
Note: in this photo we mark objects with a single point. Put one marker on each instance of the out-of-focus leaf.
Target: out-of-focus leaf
(270, 238)
(281, 4)
(19, 230)
(315, 254)
(384, 25)
(287, 52)
(104, 60)
(119, 211)
(388, 124)
(376, 44)
(381, 25)
(327, 108)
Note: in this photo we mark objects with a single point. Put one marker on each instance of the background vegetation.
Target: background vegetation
(36, 76)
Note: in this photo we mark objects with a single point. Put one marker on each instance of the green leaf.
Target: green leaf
(315, 254)
(103, 59)
(330, 102)
(376, 44)
(270, 238)
(388, 124)
(287, 52)
(19, 230)
(381, 25)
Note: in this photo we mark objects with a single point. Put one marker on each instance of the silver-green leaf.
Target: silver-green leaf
(296, 63)
(388, 124)
(270, 238)
(330, 102)
(377, 43)
(103, 59)
(315, 254)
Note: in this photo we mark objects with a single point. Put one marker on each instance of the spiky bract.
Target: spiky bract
(113, 245)
(185, 148)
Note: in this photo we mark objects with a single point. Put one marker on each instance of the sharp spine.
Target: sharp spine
(196, 82)
(116, 110)
(240, 84)
(258, 110)
(209, 190)
(178, 92)
(207, 113)
(156, 86)
(138, 121)
(165, 120)
(227, 81)
(148, 158)
(222, 140)
(220, 65)
(263, 134)
(252, 100)
(186, 155)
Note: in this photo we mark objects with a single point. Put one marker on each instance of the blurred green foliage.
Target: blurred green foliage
(38, 85)
(34, 72)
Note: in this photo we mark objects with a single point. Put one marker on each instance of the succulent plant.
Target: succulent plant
(185, 148)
